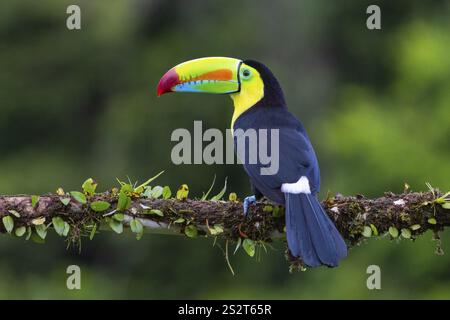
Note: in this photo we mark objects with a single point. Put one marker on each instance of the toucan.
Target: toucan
(259, 103)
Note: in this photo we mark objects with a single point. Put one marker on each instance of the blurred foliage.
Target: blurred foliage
(75, 104)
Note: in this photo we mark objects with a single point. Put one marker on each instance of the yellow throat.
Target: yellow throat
(252, 90)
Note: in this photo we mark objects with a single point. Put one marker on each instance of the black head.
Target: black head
(273, 94)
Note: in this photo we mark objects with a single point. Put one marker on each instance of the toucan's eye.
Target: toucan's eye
(246, 74)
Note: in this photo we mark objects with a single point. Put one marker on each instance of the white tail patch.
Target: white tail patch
(301, 186)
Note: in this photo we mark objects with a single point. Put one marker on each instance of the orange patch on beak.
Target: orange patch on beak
(222, 74)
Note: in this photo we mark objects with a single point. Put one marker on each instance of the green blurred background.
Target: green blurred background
(78, 104)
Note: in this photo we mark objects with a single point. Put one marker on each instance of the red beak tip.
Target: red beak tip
(167, 82)
(161, 91)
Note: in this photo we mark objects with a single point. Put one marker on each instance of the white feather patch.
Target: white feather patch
(301, 186)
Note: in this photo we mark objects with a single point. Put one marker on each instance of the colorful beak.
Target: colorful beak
(217, 75)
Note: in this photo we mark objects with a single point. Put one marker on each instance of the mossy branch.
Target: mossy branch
(406, 215)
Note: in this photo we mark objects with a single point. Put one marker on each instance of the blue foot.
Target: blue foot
(248, 201)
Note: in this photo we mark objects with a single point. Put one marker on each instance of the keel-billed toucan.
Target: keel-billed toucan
(259, 104)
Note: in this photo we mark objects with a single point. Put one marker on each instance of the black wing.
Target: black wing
(296, 158)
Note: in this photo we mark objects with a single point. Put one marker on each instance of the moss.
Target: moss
(264, 221)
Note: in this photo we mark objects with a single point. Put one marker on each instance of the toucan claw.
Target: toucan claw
(247, 202)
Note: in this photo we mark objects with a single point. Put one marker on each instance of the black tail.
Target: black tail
(311, 235)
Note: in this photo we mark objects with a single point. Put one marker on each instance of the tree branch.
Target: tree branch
(404, 215)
